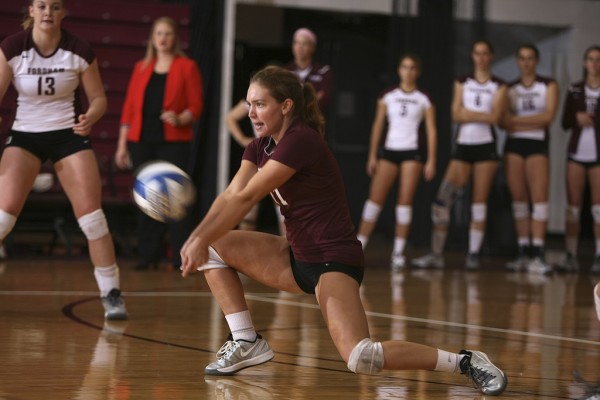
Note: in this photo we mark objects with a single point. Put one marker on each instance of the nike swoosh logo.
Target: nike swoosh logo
(245, 353)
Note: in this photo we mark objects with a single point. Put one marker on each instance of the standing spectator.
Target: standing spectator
(477, 105)
(46, 65)
(163, 100)
(581, 115)
(402, 109)
(320, 76)
(533, 101)
(321, 255)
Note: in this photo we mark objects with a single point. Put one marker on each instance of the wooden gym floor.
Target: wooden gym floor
(54, 343)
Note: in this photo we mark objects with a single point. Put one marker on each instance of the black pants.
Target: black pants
(151, 233)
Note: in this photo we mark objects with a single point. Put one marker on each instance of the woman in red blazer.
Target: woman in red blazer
(163, 99)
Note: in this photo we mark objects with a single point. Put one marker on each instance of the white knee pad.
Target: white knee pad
(572, 214)
(596, 213)
(214, 261)
(371, 211)
(94, 225)
(7, 222)
(540, 212)
(403, 215)
(478, 212)
(366, 357)
(520, 210)
(440, 214)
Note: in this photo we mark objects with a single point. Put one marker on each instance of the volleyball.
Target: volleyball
(163, 191)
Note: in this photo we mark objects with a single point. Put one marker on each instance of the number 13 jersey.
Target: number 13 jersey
(47, 86)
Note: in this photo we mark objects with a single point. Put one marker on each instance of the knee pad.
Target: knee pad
(366, 357)
(371, 211)
(572, 214)
(440, 214)
(596, 213)
(403, 215)
(478, 212)
(94, 225)
(7, 222)
(520, 210)
(540, 212)
(214, 261)
(447, 193)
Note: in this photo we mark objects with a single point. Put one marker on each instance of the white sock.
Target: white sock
(241, 326)
(399, 244)
(597, 299)
(107, 278)
(475, 239)
(448, 362)
(523, 241)
(363, 240)
(538, 242)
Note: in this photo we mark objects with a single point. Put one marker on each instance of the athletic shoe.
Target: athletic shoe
(428, 260)
(518, 264)
(472, 261)
(569, 264)
(592, 392)
(397, 262)
(596, 265)
(114, 306)
(538, 266)
(235, 355)
(484, 375)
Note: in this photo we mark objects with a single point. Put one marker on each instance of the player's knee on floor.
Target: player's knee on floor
(7, 223)
(572, 214)
(596, 213)
(478, 212)
(214, 261)
(540, 212)
(520, 210)
(94, 225)
(371, 211)
(366, 357)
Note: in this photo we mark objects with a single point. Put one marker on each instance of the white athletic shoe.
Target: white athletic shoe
(235, 355)
(472, 262)
(484, 375)
(538, 266)
(518, 264)
(114, 306)
(428, 260)
(397, 262)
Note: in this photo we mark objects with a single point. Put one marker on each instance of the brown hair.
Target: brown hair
(411, 56)
(27, 19)
(151, 51)
(283, 84)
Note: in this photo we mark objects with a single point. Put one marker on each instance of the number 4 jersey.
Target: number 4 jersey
(47, 85)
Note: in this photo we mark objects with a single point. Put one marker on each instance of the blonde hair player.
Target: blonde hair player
(291, 161)
(47, 64)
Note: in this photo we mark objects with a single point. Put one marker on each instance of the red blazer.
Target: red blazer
(183, 90)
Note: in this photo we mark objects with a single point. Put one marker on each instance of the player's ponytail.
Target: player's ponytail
(27, 19)
(310, 112)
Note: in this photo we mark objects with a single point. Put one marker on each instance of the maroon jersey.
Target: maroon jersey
(313, 200)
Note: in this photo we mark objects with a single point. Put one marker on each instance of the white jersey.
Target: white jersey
(586, 147)
(529, 100)
(405, 112)
(47, 86)
(477, 97)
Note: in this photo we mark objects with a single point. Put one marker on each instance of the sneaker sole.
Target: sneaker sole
(116, 317)
(263, 358)
(505, 379)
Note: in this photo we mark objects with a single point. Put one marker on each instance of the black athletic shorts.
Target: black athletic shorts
(53, 145)
(474, 153)
(399, 156)
(526, 147)
(307, 274)
(586, 164)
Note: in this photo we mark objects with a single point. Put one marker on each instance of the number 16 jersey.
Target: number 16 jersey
(47, 86)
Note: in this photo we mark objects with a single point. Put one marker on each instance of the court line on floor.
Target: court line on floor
(270, 299)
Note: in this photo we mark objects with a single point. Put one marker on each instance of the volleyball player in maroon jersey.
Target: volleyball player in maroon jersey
(321, 255)
(532, 105)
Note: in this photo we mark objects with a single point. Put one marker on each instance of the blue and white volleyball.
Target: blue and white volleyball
(163, 191)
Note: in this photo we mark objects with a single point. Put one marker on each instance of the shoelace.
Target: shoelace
(479, 377)
(227, 349)
(114, 299)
